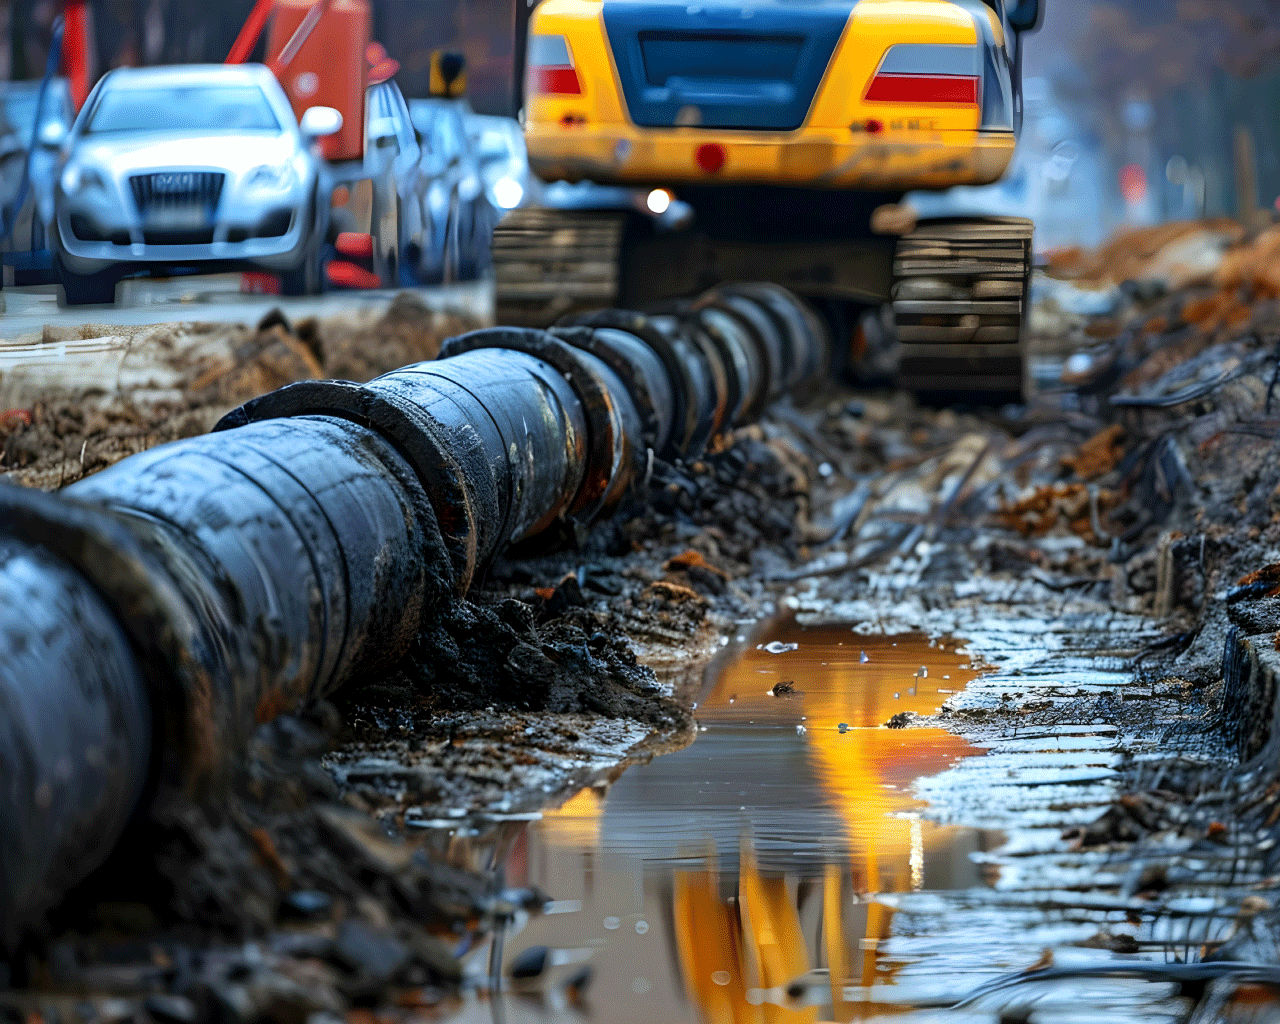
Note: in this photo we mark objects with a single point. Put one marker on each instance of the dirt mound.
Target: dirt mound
(75, 400)
(1186, 251)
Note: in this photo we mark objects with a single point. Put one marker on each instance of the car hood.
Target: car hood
(128, 153)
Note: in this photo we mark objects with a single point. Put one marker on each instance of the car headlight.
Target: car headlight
(271, 178)
(77, 180)
(507, 193)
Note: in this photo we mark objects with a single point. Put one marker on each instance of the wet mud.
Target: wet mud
(528, 816)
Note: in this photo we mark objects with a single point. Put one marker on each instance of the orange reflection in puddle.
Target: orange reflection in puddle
(757, 940)
(845, 689)
(866, 770)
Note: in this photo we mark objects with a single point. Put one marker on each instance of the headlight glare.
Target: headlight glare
(507, 193)
(270, 178)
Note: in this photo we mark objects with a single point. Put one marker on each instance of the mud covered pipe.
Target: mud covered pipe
(151, 615)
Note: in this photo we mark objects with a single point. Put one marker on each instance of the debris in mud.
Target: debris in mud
(786, 688)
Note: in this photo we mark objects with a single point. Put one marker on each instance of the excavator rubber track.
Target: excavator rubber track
(960, 297)
(550, 262)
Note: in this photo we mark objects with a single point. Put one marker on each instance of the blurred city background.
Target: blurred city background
(1137, 111)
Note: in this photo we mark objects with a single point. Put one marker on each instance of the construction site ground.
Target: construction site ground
(1090, 822)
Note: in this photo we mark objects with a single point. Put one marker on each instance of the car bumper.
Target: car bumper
(89, 242)
(890, 160)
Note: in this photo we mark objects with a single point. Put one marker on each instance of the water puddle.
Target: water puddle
(748, 877)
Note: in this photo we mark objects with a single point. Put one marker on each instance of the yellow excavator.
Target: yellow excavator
(693, 142)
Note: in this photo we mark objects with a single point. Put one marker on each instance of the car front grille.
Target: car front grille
(164, 190)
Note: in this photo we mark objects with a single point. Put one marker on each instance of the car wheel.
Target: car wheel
(410, 265)
(411, 245)
(451, 257)
(385, 225)
(474, 259)
(87, 289)
(307, 278)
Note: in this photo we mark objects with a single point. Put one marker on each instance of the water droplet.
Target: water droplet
(862, 657)
(801, 730)
(640, 986)
(778, 647)
(897, 696)
(612, 923)
(721, 978)
(642, 927)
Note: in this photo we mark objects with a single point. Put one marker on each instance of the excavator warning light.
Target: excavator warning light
(448, 79)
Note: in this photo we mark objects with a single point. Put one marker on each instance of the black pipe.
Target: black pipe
(613, 421)
(302, 550)
(151, 614)
(75, 731)
(683, 377)
(637, 364)
(765, 333)
(744, 353)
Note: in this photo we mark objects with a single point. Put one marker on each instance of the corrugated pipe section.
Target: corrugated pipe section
(151, 615)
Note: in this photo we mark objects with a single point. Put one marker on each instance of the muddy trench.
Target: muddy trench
(875, 709)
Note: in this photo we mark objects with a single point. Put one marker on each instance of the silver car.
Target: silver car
(191, 167)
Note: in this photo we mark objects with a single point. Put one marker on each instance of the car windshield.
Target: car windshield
(178, 108)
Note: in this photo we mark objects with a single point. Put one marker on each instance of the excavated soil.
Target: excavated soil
(75, 400)
(1100, 551)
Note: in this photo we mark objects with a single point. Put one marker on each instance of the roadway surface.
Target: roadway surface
(212, 298)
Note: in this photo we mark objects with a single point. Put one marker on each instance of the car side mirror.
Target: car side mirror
(1026, 15)
(320, 122)
(382, 131)
(52, 135)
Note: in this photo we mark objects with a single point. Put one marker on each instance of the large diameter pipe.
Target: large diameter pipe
(152, 614)
(75, 730)
(613, 420)
(498, 441)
